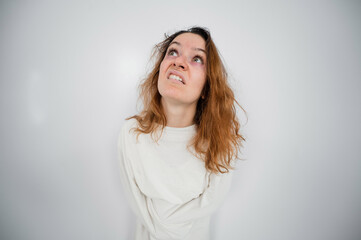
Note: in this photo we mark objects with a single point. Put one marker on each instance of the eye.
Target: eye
(172, 52)
(198, 59)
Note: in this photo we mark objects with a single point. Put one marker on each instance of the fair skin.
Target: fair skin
(182, 76)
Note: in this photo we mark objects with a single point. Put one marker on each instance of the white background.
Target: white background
(69, 73)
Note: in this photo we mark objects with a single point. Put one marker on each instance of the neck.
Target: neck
(177, 114)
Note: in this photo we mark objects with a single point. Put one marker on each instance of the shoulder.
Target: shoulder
(126, 131)
(129, 125)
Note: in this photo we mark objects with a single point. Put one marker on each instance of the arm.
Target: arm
(206, 203)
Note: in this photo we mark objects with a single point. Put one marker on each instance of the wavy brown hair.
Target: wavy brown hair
(217, 140)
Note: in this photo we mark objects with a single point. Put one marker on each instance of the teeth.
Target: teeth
(176, 77)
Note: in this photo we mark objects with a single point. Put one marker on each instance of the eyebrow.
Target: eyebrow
(197, 49)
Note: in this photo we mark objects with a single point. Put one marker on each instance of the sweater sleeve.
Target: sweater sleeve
(179, 219)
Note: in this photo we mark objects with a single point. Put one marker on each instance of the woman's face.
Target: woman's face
(182, 73)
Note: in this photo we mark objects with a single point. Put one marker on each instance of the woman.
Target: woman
(176, 155)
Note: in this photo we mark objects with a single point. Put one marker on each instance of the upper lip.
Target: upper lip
(174, 72)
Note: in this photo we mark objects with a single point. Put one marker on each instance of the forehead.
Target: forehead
(190, 40)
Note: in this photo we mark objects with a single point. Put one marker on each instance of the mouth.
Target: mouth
(176, 76)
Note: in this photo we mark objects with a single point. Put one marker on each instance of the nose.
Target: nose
(180, 62)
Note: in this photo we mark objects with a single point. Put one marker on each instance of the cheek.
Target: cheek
(161, 76)
(161, 67)
(164, 64)
(202, 78)
(202, 83)
(198, 85)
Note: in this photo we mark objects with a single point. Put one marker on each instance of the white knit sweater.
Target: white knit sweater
(168, 188)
